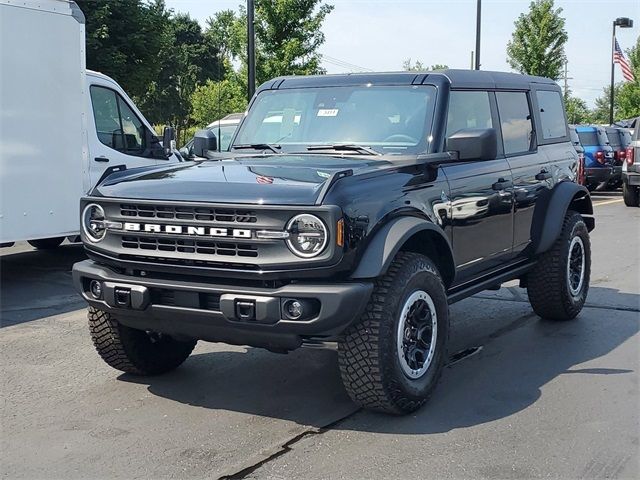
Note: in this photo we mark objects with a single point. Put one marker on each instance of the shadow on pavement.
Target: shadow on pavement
(37, 284)
(521, 354)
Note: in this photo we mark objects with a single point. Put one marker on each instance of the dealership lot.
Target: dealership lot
(525, 398)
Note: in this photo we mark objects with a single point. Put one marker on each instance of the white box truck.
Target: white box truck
(61, 125)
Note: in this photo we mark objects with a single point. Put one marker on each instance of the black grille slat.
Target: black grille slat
(199, 247)
(229, 215)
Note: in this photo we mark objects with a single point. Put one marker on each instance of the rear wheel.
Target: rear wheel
(46, 243)
(631, 195)
(135, 351)
(559, 283)
(392, 358)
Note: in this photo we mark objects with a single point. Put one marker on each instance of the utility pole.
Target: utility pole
(566, 79)
(471, 67)
(478, 22)
(251, 50)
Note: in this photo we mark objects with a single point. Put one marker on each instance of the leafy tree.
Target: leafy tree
(418, 66)
(124, 39)
(600, 112)
(577, 110)
(214, 100)
(537, 44)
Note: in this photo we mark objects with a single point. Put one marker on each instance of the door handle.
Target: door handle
(502, 184)
(543, 175)
(101, 159)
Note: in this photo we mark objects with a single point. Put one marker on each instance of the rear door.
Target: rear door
(481, 193)
(531, 168)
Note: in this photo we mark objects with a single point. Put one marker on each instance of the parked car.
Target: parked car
(598, 155)
(62, 126)
(378, 201)
(631, 170)
(618, 143)
(575, 141)
(223, 130)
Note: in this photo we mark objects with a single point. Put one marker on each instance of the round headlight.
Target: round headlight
(93, 222)
(307, 235)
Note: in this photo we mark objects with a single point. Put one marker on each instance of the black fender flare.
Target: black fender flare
(551, 209)
(390, 238)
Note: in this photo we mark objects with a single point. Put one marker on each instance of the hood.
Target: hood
(267, 180)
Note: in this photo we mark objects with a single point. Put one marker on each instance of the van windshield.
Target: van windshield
(387, 119)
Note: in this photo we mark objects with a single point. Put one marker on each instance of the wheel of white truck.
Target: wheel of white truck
(559, 283)
(135, 351)
(631, 195)
(392, 358)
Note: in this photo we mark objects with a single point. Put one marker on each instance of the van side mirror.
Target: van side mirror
(474, 143)
(203, 141)
(168, 140)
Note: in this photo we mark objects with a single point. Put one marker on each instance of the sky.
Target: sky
(380, 34)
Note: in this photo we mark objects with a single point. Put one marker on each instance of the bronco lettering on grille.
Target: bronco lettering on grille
(188, 230)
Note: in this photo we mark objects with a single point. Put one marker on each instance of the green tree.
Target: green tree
(418, 66)
(577, 110)
(600, 112)
(124, 39)
(537, 44)
(213, 100)
(628, 96)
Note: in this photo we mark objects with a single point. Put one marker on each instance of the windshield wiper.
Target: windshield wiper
(345, 147)
(257, 146)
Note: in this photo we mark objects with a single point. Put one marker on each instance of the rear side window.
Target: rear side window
(515, 121)
(551, 115)
(468, 110)
(117, 126)
(589, 138)
(614, 137)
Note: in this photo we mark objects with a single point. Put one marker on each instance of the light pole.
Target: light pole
(251, 50)
(478, 18)
(622, 22)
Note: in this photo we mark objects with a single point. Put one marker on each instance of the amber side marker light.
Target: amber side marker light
(340, 233)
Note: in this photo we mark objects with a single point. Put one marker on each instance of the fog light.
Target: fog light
(96, 289)
(293, 309)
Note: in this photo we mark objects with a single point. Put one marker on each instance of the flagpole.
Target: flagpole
(613, 73)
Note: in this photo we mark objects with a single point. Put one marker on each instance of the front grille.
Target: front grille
(179, 298)
(203, 214)
(201, 247)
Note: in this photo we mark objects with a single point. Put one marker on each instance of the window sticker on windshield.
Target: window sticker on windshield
(328, 112)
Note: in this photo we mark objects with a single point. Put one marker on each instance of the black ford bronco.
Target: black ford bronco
(350, 209)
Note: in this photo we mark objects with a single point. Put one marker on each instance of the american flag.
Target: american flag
(618, 57)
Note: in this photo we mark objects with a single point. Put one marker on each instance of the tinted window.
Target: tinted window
(614, 137)
(515, 121)
(468, 110)
(551, 115)
(589, 138)
(116, 124)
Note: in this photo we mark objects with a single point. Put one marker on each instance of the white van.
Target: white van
(61, 126)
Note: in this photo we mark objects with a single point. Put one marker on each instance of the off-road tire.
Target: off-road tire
(548, 284)
(46, 243)
(367, 352)
(631, 195)
(135, 351)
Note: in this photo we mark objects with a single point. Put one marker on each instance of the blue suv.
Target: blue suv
(598, 155)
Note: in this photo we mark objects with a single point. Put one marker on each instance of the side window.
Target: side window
(468, 110)
(515, 121)
(551, 114)
(116, 124)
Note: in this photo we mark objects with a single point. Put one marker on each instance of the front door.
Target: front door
(481, 192)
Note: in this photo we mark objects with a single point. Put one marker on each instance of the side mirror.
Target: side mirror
(184, 152)
(203, 141)
(168, 140)
(474, 143)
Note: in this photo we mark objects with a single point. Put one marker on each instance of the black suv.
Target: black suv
(350, 209)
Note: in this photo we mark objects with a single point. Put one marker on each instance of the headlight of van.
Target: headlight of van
(307, 235)
(93, 222)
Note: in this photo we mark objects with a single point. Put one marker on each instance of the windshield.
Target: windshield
(389, 119)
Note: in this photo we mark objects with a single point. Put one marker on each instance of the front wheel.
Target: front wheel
(135, 351)
(392, 358)
(631, 195)
(559, 283)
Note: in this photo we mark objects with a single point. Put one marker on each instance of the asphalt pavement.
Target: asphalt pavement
(524, 398)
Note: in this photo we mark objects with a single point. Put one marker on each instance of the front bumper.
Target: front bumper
(226, 313)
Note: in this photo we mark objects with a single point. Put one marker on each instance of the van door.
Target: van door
(117, 132)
